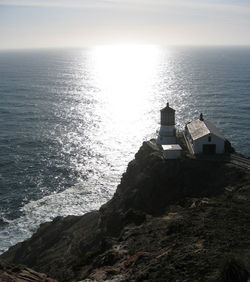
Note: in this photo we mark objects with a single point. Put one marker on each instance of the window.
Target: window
(209, 138)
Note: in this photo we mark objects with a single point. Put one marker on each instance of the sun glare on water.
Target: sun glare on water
(125, 75)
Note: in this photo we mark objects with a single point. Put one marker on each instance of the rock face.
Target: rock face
(168, 220)
(12, 273)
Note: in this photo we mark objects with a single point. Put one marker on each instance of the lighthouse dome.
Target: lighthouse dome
(167, 116)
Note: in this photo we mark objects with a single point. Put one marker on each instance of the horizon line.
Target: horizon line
(120, 44)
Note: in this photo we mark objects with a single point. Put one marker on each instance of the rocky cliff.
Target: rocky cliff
(175, 220)
(19, 273)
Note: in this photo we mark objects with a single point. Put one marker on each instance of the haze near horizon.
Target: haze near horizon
(84, 23)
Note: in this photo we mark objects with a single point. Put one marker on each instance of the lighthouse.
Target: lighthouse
(167, 133)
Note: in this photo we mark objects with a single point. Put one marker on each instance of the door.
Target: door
(209, 149)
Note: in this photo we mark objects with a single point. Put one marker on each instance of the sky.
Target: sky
(84, 23)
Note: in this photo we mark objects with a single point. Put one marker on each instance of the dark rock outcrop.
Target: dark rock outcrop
(13, 273)
(168, 220)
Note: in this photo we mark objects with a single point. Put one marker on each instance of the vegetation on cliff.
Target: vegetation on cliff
(175, 220)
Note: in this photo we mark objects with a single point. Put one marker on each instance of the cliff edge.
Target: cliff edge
(169, 220)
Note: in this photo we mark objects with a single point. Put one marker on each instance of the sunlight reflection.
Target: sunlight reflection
(125, 75)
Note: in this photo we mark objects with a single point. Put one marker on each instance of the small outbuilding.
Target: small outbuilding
(172, 151)
(204, 137)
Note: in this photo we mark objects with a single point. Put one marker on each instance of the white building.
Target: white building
(167, 133)
(172, 151)
(204, 137)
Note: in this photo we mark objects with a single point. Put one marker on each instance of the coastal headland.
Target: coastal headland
(169, 220)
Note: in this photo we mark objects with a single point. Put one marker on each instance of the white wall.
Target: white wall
(167, 130)
(162, 140)
(198, 144)
(171, 154)
(167, 135)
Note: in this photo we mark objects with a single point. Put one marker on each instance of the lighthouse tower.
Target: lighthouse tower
(167, 133)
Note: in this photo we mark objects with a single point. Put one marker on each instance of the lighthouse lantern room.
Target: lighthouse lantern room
(167, 133)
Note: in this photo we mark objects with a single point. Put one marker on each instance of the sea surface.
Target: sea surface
(71, 120)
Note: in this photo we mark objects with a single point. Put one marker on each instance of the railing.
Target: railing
(240, 161)
(188, 144)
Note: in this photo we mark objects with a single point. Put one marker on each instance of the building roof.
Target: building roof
(198, 129)
(167, 108)
(172, 147)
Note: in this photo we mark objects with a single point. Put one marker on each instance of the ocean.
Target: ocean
(72, 119)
